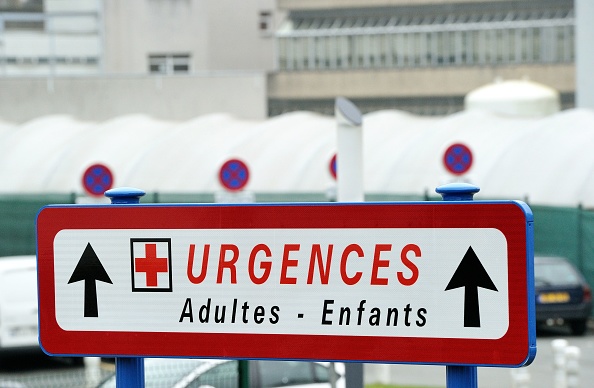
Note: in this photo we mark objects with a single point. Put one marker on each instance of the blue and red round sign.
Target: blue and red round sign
(97, 179)
(332, 166)
(234, 175)
(457, 159)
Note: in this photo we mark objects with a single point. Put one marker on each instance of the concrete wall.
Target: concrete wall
(584, 34)
(429, 82)
(218, 34)
(102, 98)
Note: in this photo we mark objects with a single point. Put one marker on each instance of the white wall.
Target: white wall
(101, 98)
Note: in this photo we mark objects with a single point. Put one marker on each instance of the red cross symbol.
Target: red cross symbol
(151, 265)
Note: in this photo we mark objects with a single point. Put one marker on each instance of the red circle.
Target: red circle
(234, 175)
(457, 158)
(97, 179)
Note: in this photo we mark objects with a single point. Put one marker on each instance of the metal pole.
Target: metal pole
(460, 376)
(243, 367)
(349, 157)
(349, 172)
(129, 370)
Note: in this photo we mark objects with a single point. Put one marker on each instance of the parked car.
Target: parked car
(562, 294)
(196, 373)
(18, 304)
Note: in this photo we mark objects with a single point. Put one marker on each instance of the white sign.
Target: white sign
(359, 282)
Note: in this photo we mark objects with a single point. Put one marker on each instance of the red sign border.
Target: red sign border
(513, 349)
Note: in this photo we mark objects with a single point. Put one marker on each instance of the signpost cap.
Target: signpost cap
(348, 111)
(124, 195)
(457, 191)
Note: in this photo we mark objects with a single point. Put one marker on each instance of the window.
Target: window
(265, 22)
(169, 63)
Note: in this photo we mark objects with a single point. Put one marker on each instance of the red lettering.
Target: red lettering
(284, 279)
(343, 262)
(409, 264)
(200, 278)
(379, 263)
(230, 264)
(316, 256)
(264, 265)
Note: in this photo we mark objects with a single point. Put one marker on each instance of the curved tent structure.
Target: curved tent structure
(547, 160)
(515, 97)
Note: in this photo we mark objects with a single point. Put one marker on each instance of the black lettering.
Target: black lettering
(421, 314)
(259, 314)
(392, 312)
(374, 318)
(187, 311)
(204, 312)
(273, 311)
(234, 311)
(360, 310)
(327, 311)
(407, 310)
(221, 318)
(245, 309)
(344, 311)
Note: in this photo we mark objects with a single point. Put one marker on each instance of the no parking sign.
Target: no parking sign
(97, 179)
(457, 159)
(332, 166)
(234, 175)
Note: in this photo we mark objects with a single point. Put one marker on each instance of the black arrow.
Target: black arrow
(471, 275)
(90, 269)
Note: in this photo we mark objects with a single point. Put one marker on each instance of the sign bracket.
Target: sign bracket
(460, 376)
(129, 370)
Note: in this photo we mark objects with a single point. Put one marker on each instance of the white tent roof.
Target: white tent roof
(548, 160)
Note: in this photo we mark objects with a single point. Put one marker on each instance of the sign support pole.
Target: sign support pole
(350, 184)
(460, 376)
(129, 370)
(349, 156)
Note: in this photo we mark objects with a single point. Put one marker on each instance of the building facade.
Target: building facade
(422, 56)
(191, 57)
(170, 59)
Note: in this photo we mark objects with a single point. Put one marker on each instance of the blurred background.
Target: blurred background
(160, 94)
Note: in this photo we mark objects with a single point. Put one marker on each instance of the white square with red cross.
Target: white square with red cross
(151, 264)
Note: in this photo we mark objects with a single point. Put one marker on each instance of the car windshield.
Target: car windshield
(555, 273)
(285, 373)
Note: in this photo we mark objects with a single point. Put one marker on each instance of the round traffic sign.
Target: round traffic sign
(332, 166)
(97, 179)
(234, 175)
(457, 159)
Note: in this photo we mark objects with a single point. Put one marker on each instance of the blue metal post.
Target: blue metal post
(129, 370)
(459, 376)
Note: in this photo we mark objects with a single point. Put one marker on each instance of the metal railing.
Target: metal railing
(447, 43)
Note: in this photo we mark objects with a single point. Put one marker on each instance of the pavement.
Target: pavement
(540, 374)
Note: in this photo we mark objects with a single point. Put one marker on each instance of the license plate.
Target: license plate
(554, 297)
